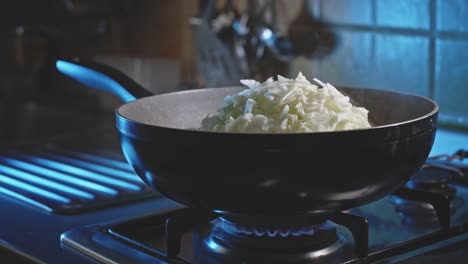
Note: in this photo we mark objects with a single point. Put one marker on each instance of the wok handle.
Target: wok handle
(102, 77)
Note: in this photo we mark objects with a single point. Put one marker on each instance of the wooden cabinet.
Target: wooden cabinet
(154, 29)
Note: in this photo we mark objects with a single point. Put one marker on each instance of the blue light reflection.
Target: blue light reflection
(94, 166)
(59, 176)
(24, 198)
(268, 37)
(105, 161)
(33, 189)
(93, 79)
(81, 172)
(212, 244)
(44, 182)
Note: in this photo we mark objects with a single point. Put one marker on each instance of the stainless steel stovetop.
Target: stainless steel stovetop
(394, 236)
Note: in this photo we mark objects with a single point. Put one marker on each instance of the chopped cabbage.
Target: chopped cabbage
(286, 106)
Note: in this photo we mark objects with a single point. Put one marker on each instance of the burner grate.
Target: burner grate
(439, 203)
(185, 220)
(67, 181)
(429, 196)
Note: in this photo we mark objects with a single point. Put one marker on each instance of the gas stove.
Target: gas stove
(413, 222)
(125, 222)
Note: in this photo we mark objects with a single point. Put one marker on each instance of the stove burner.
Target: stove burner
(431, 181)
(261, 231)
(420, 214)
(435, 180)
(277, 242)
(422, 209)
(234, 239)
(281, 229)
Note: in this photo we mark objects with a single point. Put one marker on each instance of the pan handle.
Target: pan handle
(102, 77)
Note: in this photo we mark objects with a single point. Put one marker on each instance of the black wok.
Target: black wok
(264, 174)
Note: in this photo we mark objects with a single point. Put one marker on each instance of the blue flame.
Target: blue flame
(270, 231)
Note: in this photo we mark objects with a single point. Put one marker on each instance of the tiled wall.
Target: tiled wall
(417, 46)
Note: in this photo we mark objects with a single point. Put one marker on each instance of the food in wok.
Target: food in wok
(286, 106)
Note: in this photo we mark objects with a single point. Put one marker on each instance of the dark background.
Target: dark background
(416, 46)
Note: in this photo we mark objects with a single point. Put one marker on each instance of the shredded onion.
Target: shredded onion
(286, 106)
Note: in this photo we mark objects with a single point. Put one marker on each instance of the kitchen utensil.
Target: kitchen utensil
(264, 174)
(278, 44)
(214, 61)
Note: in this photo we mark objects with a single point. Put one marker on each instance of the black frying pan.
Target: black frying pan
(264, 174)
